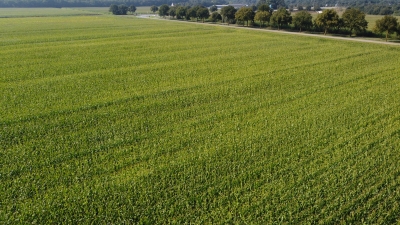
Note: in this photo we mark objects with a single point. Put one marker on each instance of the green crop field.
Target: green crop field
(122, 120)
(48, 12)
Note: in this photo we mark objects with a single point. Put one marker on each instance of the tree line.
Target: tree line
(374, 7)
(101, 3)
(352, 21)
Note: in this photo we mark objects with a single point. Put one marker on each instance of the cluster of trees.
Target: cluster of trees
(121, 9)
(184, 12)
(102, 3)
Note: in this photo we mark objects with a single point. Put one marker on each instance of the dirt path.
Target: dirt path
(151, 16)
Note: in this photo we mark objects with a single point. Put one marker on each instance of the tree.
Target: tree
(163, 10)
(264, 8)
(327, 19)
(354, 19)
(213, 8)
(261, 2)
(154, 8)
(113, 9)
(180, 12)
(132, 9)
(281, 17)
(191, 13)
(302, 19)
(203, 13)
(262, 16)
(228, 12)
(398, 30)
(387, 24)
(300, 8)
(245, 14)
(215, 16)
(122, 9)
(172, 11)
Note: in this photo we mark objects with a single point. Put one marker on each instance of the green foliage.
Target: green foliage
(192, 12)
(114, 126)
(154, 8)
(172, 11)
(132, 9)
(262, 16)
(281, 17)
(118, 10)
(265, 8)
(302, 20)
(213, 8)
(122, 9)
(163, 10)
(203, 13)
(215, 16)
(228, 13)
(113, 9)
(181, 12)
(328, 19)
(245, 14)
(387, 24)
(354, 19)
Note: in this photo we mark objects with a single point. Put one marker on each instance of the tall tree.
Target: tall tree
(163, 10)
(191, 13)
(154, 8)
(302, 19)
(215, 16)
(113, 9)
(180, 12)
(132, 8)
(172, 11)
(354, 19)
(122, 9)
(264, 7)
(387, 24)
(327, 20)
(281, 17)
(203, 13)
(262, 16)
(228, 13)
(245, 14)
(213, 8)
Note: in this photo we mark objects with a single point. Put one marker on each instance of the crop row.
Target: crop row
(172, 124)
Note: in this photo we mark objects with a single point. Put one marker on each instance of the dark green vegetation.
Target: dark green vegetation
(375, 7)
(387, 24)
(148, 121)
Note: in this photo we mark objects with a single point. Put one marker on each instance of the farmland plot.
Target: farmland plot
(124, 120)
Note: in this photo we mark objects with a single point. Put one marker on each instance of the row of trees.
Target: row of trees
(184, 12)
(101, 3)
(352, 21)
(121, 9)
